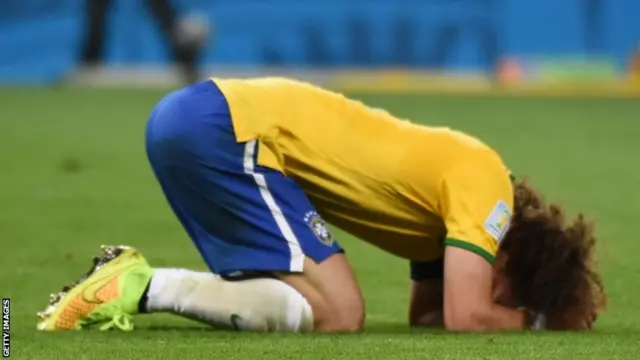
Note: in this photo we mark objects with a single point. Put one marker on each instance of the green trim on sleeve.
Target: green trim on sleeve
(470, 247)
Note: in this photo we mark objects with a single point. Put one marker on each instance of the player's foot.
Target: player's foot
(190, 36)
(107, 295)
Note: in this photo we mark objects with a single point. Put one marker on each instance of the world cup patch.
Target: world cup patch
(319, 227)
(498, 221)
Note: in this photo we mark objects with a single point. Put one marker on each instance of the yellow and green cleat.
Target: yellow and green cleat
(107, 296)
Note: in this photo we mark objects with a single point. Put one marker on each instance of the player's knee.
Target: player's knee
(354, 322)
(354, 317)
(349, 318)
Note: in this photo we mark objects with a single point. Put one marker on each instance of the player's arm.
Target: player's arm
(476, 205)
(425, 304)
(426, 307)
(468, 302)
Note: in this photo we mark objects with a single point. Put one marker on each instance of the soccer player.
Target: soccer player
(251, 168)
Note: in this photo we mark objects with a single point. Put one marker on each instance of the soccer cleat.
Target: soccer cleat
(106, 296)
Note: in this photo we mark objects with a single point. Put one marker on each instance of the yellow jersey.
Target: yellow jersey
(406, 188)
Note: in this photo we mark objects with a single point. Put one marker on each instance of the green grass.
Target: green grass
(73, 175)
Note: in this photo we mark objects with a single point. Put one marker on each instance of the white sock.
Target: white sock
(251, 305)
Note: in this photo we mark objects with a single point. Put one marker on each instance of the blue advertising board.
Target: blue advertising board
(40, 39)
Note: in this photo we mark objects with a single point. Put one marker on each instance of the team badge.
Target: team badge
(319, 227)
(498, 221)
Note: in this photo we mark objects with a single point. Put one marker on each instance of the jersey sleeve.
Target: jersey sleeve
(477, 206)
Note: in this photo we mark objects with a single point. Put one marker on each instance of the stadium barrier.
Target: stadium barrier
(367, 48)
(401, 81)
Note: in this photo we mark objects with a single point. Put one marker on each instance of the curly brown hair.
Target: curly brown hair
(550, 264)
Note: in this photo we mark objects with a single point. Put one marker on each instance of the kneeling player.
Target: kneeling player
(251, 168)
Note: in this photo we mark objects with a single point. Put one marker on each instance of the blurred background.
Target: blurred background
(387, 44)
(553, 85)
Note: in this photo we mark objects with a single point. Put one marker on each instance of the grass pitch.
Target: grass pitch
(73, 175)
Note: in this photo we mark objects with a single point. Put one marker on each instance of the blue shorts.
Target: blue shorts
(242, 217)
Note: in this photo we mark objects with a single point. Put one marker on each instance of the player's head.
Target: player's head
(549, 263)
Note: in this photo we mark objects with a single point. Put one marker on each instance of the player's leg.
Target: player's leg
(114, 290)
(250, 304)
(274, 305)
(93, 43)
(331, 288)
(185, 37)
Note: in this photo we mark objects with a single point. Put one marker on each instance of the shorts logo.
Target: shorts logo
(498, 221)
(319, 227)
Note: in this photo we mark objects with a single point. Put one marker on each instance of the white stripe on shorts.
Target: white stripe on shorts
(297, 257)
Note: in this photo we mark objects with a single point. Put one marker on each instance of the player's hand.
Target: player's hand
(425, 307)
(534, 320)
